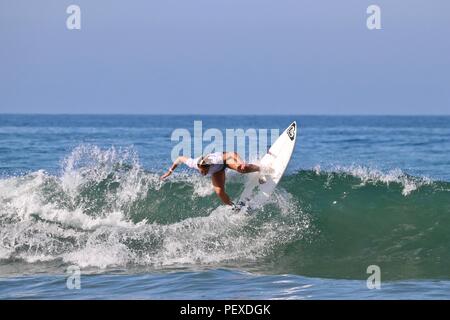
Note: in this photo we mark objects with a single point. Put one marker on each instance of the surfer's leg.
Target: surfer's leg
(218, 181)
(234, 162)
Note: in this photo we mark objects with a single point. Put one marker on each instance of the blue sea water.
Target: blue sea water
(83, 191)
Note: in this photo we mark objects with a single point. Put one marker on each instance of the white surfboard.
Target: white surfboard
(260, 186)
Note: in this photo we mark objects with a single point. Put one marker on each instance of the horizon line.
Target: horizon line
(220, 115)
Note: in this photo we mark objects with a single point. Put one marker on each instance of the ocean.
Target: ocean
(83, 214)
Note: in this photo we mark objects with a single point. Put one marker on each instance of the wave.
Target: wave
(363, 217)
(104, 210)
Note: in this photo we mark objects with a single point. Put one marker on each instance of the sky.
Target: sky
(225, 57)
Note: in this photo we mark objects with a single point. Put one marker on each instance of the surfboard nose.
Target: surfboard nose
(292, 130)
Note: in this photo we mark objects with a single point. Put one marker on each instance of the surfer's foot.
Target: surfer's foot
(264, 173)
(237, 207)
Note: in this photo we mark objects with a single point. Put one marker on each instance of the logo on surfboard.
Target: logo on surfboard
(291, 132)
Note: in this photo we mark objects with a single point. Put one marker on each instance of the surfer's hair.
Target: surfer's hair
(203, 162)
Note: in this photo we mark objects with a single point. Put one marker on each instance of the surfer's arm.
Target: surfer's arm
(175, 164)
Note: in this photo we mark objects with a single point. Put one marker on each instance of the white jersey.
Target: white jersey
(215, 160)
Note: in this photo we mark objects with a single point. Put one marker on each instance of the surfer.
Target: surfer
(214, 164)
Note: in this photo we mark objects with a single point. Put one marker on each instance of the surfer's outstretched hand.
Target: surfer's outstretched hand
(165, 175)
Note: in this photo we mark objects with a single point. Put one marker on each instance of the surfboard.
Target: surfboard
(260, 185)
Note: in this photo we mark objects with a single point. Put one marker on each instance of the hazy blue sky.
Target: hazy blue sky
(225, 57)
